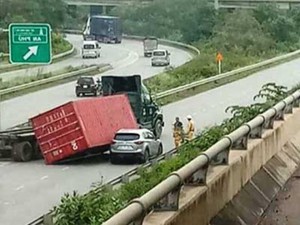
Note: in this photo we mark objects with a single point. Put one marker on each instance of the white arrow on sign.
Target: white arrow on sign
(32, 51)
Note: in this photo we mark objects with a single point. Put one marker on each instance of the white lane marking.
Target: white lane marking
(44, 177)
(19, 188)
(65, 168)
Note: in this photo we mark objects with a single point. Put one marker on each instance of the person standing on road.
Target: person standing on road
(190, 128)
(178, 132)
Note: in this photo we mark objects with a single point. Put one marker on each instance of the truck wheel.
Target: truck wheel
(22, 152)
(158, 128)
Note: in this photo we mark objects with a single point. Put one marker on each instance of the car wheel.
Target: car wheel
(160, 150)
(145, 156)
(78, 94)
(158, 128)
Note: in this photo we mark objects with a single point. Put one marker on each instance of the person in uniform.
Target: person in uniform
(190, 128)
(178, 132)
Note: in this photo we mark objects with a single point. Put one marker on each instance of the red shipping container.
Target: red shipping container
(78, 126)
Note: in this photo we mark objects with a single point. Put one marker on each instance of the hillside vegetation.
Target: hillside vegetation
(53, 12)
(242, 36)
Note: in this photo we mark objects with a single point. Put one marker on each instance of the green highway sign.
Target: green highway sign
(30, 43)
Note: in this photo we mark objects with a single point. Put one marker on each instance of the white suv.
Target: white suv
(160, 57)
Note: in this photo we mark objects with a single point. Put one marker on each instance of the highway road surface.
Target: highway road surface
(27, 190)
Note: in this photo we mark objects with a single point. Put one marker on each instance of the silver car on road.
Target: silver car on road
(138, 143)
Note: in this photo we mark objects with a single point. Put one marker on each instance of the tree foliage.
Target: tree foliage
(19, 11)
(172, 19)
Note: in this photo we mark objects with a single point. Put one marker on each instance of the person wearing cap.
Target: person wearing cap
(178, 132)
(190, 128)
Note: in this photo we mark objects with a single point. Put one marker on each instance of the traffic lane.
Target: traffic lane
(178, 57)
(68, 180)
(109, 53)
(33, 103)
(208, 108)
(29, 202)
(285, 209)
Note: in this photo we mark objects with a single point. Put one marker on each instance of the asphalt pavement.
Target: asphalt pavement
(27, 190)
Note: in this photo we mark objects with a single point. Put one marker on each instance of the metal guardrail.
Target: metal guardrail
(165, 195)
(191, 48)
(126, 177)
(194, 173)
(105, 2)
(58, 56)
(225, 75)
(52, 79)
(123, 179)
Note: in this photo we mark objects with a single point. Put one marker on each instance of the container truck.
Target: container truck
(107, 29)
(70, 131)
(147, 112)
(150, 44)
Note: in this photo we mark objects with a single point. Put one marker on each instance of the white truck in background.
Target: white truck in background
(150, 44)
(90, 49)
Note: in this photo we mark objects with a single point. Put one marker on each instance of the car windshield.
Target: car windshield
(89, 46)
(126, 137)
(160, 53)
(85, 80)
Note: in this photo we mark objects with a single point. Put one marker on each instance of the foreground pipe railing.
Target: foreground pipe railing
(165, 195)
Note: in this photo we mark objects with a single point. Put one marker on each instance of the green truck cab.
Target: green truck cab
(147, 112)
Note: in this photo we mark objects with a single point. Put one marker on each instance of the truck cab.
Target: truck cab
(147, 112)
(150, 44)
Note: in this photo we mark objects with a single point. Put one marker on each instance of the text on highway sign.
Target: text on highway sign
(30, 43)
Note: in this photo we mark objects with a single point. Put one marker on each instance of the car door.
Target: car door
(152, 143)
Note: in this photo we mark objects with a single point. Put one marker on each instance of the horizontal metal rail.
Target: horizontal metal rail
(217, 154)
(194, 173)
(126, 176)
(53, 79)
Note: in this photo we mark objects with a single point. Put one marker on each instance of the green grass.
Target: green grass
(202, 88)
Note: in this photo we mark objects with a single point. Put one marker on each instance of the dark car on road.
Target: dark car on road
(88, 85)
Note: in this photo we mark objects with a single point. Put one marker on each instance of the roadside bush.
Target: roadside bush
(98, 206)
(59, 44)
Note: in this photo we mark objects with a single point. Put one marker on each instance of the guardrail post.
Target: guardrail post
(171, 201)
(269, 123)
(256, 132)
(288, 109)
(296, 102)
(125, 179)
(140, 219)
(48, 219)
(199, 177)
(223, 157)
(154, 162)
